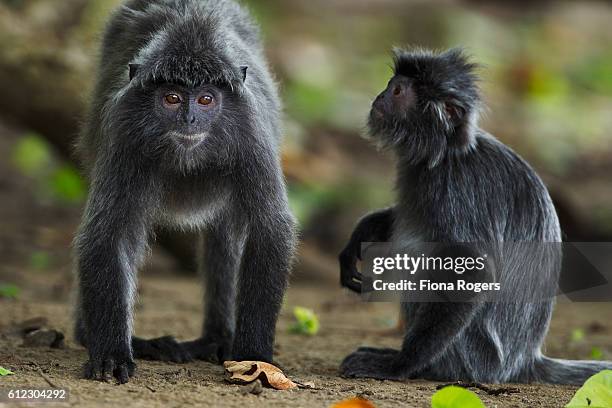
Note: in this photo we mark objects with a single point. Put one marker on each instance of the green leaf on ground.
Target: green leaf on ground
(307, 321)
(4, 371)
(595, 393)
(9, 291)
(455, 397)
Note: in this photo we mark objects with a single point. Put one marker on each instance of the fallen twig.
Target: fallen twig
(46, 378)
(308, 385)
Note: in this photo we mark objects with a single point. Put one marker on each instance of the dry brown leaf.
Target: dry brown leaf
(354, 403)
(244, 372)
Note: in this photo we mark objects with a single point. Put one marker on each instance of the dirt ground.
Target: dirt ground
(170, 303)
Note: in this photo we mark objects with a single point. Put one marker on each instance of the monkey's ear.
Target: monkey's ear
(455, 113)
(243, 70)
(133, 70)
(463, 123)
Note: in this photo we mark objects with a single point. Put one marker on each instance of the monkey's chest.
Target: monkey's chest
(191, 209)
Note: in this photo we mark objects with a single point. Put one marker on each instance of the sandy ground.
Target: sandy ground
(170, 303)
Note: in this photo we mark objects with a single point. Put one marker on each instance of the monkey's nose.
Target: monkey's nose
(192, 119)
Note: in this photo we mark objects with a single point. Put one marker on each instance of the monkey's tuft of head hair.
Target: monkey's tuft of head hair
(446, 78)
(434, 105)
(175, 55)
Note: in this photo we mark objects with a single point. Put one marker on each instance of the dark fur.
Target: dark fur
(456, 183)
(230, 185)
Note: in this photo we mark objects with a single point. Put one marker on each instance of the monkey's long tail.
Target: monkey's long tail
(570, 372)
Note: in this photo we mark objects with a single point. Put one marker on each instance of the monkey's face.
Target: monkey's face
(395, 101)
(181, 128)
(429, 107)
(392, 110)
(398, 120)
(187, 115)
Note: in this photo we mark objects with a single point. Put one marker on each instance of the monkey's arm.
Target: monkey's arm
(110, 244)
(262, 282)
(374, 227)
(266, 258)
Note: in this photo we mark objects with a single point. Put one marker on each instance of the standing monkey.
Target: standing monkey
(456, 183)
(183, 130)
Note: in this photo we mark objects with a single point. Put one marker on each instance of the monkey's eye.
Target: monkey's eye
(397, 90)
(206, 100)
(172, 99)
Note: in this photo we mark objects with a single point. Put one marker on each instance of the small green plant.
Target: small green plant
(595, 393)
(577, 335)
(455, 397)
(9, 291)
(307, 321)
(67, 185)
(31, 154)
(4, 371)
(596, 353)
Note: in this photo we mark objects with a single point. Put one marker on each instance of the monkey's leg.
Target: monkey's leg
(436, 326)
(374, 227)
(222, 251)
(261, 284)
(110, 244)
(165, 348)
(222, 254)
(79, 328)
(433, 328)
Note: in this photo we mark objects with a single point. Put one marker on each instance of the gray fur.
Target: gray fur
(211, 169)
(456, 183)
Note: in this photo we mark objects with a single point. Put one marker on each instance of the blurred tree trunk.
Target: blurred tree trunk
(46, 64)
(47, 67)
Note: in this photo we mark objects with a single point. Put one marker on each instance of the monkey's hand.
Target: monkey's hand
(350, 277)
(104, 365)
(374, 227)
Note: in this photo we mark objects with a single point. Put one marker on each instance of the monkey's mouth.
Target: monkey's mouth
(376, 113)
(188, 140)
(376, 118)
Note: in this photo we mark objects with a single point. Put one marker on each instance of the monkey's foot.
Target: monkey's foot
(106, 369)
(376, 350)
(368, 362)
(212, 350)
(162, 349)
